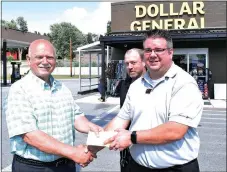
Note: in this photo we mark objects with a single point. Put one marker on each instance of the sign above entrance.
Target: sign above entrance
(177, 22)
(146, 15)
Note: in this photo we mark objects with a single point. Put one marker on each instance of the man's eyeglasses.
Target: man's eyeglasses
(156, 51)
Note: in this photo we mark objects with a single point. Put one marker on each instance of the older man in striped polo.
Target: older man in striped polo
(41, 117)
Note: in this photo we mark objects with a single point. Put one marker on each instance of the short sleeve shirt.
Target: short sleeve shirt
(175, 98)
(33, 105)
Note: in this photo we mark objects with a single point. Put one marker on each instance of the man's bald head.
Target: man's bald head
(41, 58)
(40, 44)
(134, 63)
(135, 51)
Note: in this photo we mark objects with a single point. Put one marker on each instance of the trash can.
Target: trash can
(15, 71)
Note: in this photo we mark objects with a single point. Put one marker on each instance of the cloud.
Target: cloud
(85, 20)
(42, 26)
(88, 21)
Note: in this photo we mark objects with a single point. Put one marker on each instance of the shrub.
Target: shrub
(60, 63)
(75, 64)
(94, 64)
(10, 58)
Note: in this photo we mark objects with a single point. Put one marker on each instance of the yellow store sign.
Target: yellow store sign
(173, 19)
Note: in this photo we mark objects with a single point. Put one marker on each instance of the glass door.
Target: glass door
(197, 61)
(197, 67)
(194, 61)
(190, 57)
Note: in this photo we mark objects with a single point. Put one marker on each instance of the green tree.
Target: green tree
(4, 23)
(22, 24)
(94, 64)
(95, 37)
(60, 34)
(48, 34)
(11, 25)
(108, 29)
(89, 38)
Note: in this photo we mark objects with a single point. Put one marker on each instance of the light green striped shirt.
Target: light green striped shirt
(33, 105)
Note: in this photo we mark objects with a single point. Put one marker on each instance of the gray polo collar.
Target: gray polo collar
(171, 72)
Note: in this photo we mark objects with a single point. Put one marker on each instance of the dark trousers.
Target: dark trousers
(124, 160)
(191, 166)
(20, 165)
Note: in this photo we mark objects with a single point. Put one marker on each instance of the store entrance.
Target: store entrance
(195, 62)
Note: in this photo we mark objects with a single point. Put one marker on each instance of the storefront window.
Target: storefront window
(197, 67)
(197, 61)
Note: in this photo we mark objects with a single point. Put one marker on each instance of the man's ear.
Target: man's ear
(170, 52)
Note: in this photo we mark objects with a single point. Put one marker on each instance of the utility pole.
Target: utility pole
(70, 53)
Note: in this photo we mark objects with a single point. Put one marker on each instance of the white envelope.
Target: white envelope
(93, 140)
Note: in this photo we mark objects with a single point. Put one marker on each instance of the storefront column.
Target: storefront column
(103, 69)
(4, 60)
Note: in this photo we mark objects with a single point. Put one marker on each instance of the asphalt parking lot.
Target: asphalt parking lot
(212, 131)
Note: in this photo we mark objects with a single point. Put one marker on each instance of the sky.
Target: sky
(86, 16)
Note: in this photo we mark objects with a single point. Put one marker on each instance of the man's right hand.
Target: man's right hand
(82, 156)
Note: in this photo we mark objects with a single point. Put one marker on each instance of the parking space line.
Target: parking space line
(106, 113)
(215, 118)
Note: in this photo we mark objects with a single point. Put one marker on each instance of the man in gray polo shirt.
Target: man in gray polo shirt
(164, 107)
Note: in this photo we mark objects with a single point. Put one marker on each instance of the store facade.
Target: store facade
(198, 30)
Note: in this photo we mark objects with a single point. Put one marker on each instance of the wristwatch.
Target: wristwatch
(133, 137)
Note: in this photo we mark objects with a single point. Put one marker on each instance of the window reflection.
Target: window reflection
(197, 61)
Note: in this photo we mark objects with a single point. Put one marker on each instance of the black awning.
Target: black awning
(177, 35)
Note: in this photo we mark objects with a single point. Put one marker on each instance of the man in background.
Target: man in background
(135, 68)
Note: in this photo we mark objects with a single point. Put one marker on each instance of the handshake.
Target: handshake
(115, 140)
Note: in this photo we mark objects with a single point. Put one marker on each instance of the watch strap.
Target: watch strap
(133, 137)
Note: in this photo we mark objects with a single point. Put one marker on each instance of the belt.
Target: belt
(55, 163)
(162, 169)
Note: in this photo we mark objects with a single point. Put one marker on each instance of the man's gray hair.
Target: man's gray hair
(139, 51)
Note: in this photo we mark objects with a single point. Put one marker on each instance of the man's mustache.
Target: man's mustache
(45, 66)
